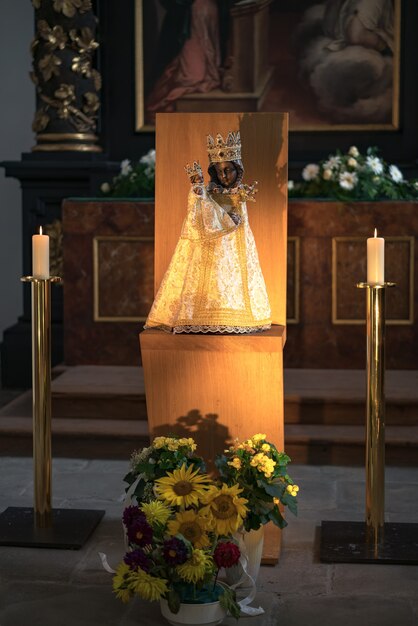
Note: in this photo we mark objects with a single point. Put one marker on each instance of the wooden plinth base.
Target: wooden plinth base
(215, 388)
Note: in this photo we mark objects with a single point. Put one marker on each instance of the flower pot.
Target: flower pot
(207, 614)
(251, 545)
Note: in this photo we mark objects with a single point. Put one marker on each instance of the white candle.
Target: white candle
(375, 259)
(40, 255)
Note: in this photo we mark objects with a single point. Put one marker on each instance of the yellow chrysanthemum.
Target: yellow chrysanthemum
(148, 587)
(156, 512)
(195, 568)
(121, 582)
(159, 442)
(293, 490)
(236, 462)
(189, 442)
(265, 447)
(258, 459)
(247, 447)
(192, 526)
(225, 508)
(263, 463)
(183, 487)
(258, 437)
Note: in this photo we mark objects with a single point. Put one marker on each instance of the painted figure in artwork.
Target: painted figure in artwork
(196, 67)
(214, 282)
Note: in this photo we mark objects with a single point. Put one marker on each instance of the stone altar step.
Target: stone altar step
(99, 392)
(71, 437)
(101, 427)
(311, 396)
(345, 445)
(320, 396)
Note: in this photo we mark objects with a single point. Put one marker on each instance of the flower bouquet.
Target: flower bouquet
(260, 472)
(354, 176)
(178, 530)
(134, 179)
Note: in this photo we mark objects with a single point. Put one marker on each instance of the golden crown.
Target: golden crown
(220, 150)
(193, 169)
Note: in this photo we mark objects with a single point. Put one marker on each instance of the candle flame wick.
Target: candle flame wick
(40, 230)
(375, 232)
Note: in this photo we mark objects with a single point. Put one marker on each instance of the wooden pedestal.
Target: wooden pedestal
(215, 388)
(218, 387)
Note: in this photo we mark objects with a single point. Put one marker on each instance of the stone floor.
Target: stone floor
(69, 588)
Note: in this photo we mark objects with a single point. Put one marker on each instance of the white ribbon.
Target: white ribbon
(247, 580)
(105, 564)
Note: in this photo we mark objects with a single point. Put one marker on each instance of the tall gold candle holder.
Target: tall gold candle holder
(41, 397)
(375, 412)
(42, 526)
(373, 541)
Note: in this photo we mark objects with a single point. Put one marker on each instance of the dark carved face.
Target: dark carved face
(226, 172)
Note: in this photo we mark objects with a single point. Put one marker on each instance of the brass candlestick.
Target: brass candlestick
(375, 412)
(42, 526)
(372, 541)
(41, 397)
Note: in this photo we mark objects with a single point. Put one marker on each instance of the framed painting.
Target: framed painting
(332, 64)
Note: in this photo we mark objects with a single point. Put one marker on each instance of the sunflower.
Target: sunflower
(195, 568)
(156, 512)
(226, 509)
(121, 582)
(183, 487)
(192, 526)
(148, 587)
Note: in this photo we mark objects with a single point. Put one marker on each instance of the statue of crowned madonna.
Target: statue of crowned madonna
(214, 283)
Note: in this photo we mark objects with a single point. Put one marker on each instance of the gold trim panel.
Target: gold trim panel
(296, 291)
(139, 74)
(96, 294)
(62, 136)
(393, 322)
(65, 147)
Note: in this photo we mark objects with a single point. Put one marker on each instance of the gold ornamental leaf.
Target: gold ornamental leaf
(43, 29)
(48, 66)
(85, 6)
(97, 79)
(86, 40)
(33, 45)
(82, 66)
(67, 7)
(40, 121)
(58, 37)
(92, 102)
(65, 92)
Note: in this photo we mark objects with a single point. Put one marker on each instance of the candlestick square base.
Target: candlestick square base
(69, 531)
(346, 542)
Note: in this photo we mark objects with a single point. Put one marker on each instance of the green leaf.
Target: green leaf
(228, 602)
(173, 600)
(292, 505)
(275, 490)
(276, 517)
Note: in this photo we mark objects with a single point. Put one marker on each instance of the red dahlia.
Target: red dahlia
(226, 554)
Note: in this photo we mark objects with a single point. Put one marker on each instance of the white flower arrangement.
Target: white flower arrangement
(133, 180)
(354, 176)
